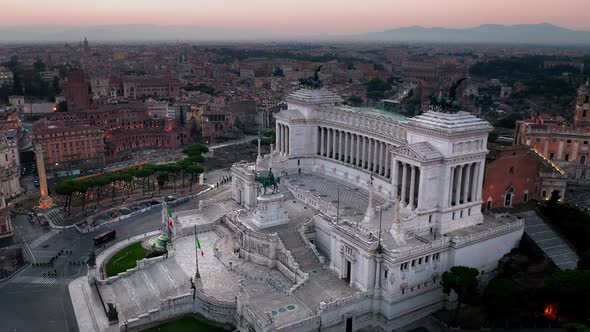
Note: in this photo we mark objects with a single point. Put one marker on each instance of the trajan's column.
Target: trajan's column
(45, 201)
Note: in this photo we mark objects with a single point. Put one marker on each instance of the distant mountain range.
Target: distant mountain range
(544, 34)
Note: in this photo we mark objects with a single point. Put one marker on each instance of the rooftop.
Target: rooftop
(314, 97)
(455, 122)
(376, 111)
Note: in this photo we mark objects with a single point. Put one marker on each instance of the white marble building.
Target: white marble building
(372, 209)
(432, 164)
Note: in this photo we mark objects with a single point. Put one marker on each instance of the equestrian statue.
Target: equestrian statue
(269, 181)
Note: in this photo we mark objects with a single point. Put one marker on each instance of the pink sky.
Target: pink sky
(325, 16)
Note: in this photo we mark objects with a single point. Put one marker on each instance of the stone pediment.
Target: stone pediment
(290, 115)
(422, 151)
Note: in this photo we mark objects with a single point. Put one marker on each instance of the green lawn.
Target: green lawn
(185, 324)
(125, 259)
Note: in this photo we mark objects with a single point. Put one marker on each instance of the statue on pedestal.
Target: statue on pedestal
(396, 231)
(269, 181)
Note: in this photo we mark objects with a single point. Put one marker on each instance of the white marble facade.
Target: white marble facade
(432, 163)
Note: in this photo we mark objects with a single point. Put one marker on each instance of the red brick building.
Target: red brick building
(77, 92)
(109, 131)
(516, 174)
(69, 145)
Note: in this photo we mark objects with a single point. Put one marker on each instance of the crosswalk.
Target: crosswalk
(40, 280)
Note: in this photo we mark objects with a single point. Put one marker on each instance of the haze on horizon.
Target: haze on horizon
(297, 16)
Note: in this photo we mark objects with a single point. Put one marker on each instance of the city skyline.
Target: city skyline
(297, 17)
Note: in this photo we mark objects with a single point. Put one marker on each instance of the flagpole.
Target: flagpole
(197, 275)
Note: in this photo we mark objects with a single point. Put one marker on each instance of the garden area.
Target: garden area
(186, 324)
(104, 190)
(125, 259)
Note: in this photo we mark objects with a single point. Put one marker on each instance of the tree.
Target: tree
(162, 179)
(278, 72)
(98, 183)
(39, 66)
(463, 281)
(502, 298)
(355, 100)
(584, 261)
(492, 137)
(195, 150)
(571, 288)
(66, 188)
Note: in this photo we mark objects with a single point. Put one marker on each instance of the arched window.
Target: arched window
(582, 160)
(525, 197)
(489, 204)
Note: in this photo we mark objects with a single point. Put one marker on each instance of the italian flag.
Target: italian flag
(170, 221)
(199, 246)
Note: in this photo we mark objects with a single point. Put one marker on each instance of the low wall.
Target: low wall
(141, 265)
(213, 309)
(83, 226)
(307, 197)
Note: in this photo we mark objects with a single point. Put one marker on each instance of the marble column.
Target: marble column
(466, 183)
(45, 202)
(394, 179)
(371, 164)
(387, 162)
(283, 139)
(334, 143)
(480, 166)
(474, 170)
(451, 186)
(358, 150)
(377, 158)
(458, 184)
(412, 186)
(420, 186)
(364, 151)
(404, 183)
(378, 261)
(329, 143)
(345, 153)
(278, 139)
(341, 145)
(321, 141)
(380, 163)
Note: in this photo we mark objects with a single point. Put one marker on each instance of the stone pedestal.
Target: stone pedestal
(270, 211)
(45, 202)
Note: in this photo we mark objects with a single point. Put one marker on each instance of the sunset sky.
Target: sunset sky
(292, 16)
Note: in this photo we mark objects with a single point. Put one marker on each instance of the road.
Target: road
(32, 293)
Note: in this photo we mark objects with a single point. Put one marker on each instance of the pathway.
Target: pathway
(549, 241)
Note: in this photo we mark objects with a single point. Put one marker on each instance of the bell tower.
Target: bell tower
(582, 115)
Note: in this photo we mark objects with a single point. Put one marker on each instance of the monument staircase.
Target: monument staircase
(304, 256)
(549, 241)
(144, 290)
